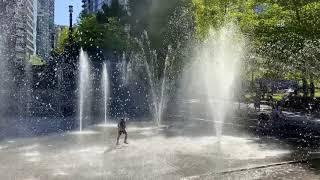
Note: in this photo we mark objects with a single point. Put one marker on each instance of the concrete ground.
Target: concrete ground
(182, 149)
(185, 147)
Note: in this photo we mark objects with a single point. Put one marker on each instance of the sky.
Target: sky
(61, 15)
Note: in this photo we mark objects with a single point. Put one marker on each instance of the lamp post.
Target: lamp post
(70, 25)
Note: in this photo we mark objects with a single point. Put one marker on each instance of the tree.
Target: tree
(90, 32)
(115, 10)
(166, 22)
(36, 60)
(103, 31)
(287, 38)
(213, 13)
(283, 34)
(62, 40)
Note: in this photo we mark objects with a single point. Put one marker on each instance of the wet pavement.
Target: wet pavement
(181, 149)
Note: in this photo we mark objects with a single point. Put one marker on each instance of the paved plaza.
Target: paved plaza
(185, 149)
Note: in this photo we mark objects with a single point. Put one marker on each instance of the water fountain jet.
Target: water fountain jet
(84, 86)
(105, 87)
(157, 87)
(220, 56)
(213, 71)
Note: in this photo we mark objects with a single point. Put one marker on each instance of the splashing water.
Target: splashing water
(28, 79)
(163, 98)
(157, 88)
(212, 73)
(84, 85)
(124, 72)
(3, 69)
(220, 58)
(105, 86)
(153, 91)
(151, 81)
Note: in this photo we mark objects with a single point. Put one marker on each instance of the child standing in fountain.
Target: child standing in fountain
(122, 130)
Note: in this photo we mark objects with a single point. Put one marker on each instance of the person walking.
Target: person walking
(257, 100)
(276, 113)
(312, 90)
(122, 130)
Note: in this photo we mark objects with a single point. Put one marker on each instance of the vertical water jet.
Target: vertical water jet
(220, 58)
(84, 87)
(157, 87)
(105, 86)
(210, 77)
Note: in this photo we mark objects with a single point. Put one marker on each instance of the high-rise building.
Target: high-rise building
(45, 28)
(7, 29)
(25, 23)
(31, 28)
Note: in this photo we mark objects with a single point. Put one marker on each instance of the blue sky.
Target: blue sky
(61, 16)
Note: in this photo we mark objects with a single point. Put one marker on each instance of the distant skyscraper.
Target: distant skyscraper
(24, 29)
(7, 30)
(45, 28)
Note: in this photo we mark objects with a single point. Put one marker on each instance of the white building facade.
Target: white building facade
(45, 28)
(25, 27)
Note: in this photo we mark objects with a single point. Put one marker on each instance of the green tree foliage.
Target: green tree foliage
(283, 34)
(36, 60)
(90, 32)
(115, 36)
(62, 40)
(139, 11)
(169, 25)
(115, 11)
(213, 13)
(286, 29)
(103, 30)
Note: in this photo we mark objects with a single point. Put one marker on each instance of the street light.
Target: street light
(70, 18)
(71, 9)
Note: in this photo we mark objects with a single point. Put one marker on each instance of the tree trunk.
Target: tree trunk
(312, 88)
(305, 87)
(252, 81)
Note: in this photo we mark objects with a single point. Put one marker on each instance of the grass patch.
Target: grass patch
(317, 93)
(278, 96)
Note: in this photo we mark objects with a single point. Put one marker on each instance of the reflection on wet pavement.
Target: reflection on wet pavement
(170, 152)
